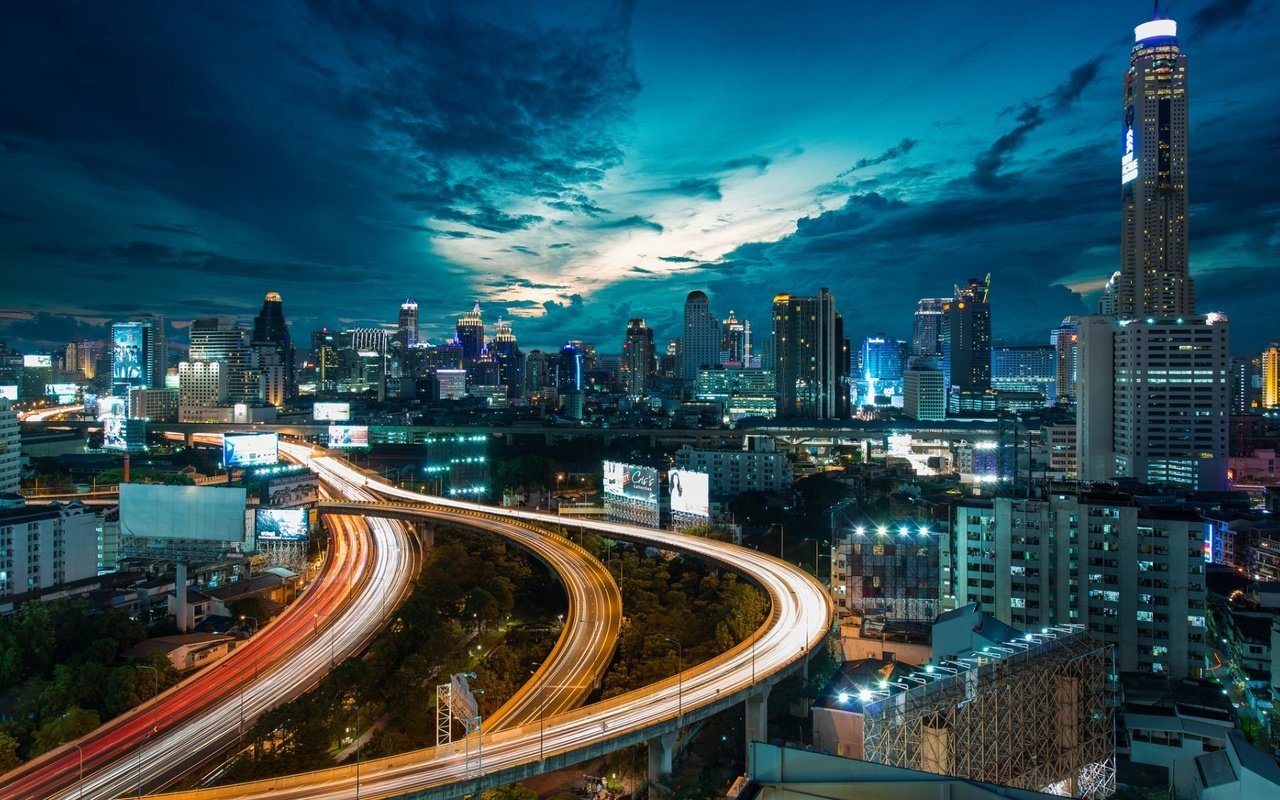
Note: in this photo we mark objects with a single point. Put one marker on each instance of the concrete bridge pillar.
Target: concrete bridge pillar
(426, 534)
(757, 717)
(661, 749)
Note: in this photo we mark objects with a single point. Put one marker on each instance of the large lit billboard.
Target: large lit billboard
(344, 436)
(127, 355)
(281, 524)
(9, 391)
(331, 412)
(113, 434)
(631, 482)
(293, 490)
(207, 513)
(65, 392)
(690, 492)
(111, 408)
(250, 449)
(37, 362)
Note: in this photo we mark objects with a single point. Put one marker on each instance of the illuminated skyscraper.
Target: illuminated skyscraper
(506, 352)
(966, 338)
(1271, 376)
(638, 357)
(1153, 242)
(811, 357)
(701, 340)
(926, 330)
(407, 327)
(735, 342)
(1154, 397)
(273, 352)
(471, 334)
(1066, 341)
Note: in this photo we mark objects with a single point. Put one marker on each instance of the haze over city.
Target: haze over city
(571, 165)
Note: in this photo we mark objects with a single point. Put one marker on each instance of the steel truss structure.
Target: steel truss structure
(1035, 713)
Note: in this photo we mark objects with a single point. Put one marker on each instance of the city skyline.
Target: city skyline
(570, 169)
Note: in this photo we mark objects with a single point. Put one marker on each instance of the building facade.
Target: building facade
(47, 545)
(811, 357)
(701, 339)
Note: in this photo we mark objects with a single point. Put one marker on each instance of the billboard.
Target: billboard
(9, 391)
(113, 434)
(293, 490)
(281, 524)
(111, 408)
(65, 392)
(37, 362)
(206, 513)
(345, 436)
(690, 492)
(250, 449)
(331, 412)
(631, 482)
(127, 355)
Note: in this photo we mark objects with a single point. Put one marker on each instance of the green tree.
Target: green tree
(8, 752)
(512, 791)
(708, 531)
(71, 725)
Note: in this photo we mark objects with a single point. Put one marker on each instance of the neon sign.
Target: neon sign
(1128, 164)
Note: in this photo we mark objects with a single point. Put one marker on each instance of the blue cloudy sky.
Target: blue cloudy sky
(570, 164)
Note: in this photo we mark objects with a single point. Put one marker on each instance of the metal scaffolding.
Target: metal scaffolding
(1034, 713)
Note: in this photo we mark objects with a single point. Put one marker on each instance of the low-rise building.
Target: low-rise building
(43, 546)
(758, 467)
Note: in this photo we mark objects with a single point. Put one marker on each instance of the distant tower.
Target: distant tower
(638, 357)
(811, 357)
(735, 342)
(1154, 281)
(966, 337)
(1066, 341)
(1107, 303)
(701, 340)
(273, 351)
(407, 328)
(471, 334)
(510, 360)
(926, 331)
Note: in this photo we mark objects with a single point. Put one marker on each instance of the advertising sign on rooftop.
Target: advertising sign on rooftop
(632, 482)
(331, 412)
(690, 492)
(250, 449)
(157, 511)
(281, 524)
(348, 436)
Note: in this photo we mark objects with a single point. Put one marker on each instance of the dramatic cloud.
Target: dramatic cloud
(1217, 15)
(1080, 79)
(986, 173)
(897, 151)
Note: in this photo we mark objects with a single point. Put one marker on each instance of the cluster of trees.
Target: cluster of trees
(471, 582)
(61, 667)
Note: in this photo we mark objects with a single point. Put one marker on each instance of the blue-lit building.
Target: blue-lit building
(1025, 368)
(569, 369)
(883, 362)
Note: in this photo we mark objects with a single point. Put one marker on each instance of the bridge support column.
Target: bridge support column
(757, 719)
(426, 535)
(660, 752)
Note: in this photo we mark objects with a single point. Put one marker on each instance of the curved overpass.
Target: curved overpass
(799, 619)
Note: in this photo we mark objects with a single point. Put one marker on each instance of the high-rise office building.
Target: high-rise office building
(157, 348)
(966, 338)
(735, 342)
(273, 353)
(133, 357)
(1107, 302)
(1025, 368)
(700, 344)
(324, 354)
(883, 361)
(926, 329)
(506, 353)
(537, 372)
(407, 325)
(215, 339)
(470, 330)
(924, 395)
(569, 369)
(638, 358)
(201, 385)
(1066, 340)
(1270, 373)
(1154, 385)
(1242, 378)
(1154, 281)
(811, 357)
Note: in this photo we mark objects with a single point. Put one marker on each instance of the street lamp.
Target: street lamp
(141, 745)
(80, 782)
(679, 676)
(246, 617)
(357, 752)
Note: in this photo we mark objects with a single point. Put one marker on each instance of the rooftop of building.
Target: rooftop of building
(1156, 695)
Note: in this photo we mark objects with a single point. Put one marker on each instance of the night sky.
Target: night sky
(570, 165)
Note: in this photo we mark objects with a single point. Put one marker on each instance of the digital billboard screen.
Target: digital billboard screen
(345, 436)
(331, 412)
(114, 436)
(111, 408)
(631, 482)
(281, 524)
(690, 492)
(9, 391)
(157, 511)
(37, 362)
(250, 449)
(126, 353)
(293, 490)
(65, 392)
